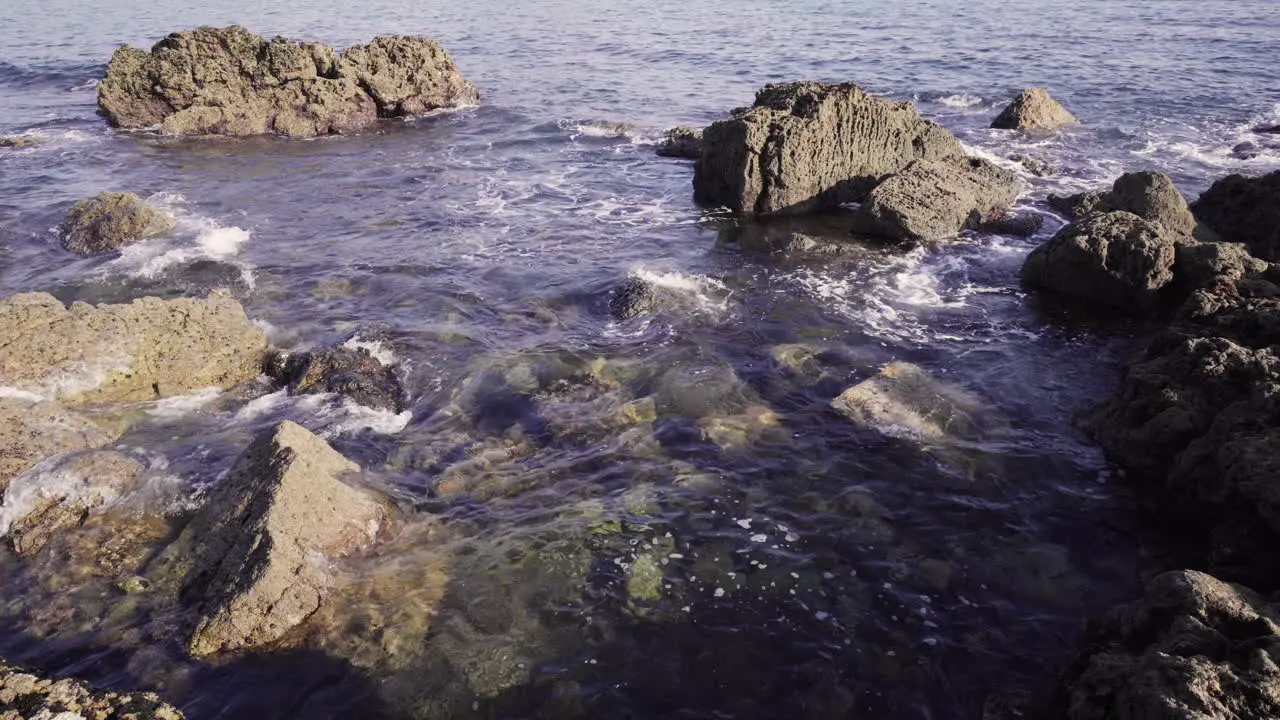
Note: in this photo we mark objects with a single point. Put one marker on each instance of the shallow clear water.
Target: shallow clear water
(822, 570)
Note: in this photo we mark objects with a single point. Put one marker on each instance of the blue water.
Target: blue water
(478, 247)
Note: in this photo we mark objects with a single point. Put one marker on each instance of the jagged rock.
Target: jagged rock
(931, 200)
(681, 142)
(59, 493)
(32, 430)
(1253, 321)
(1245, 210)
(633, 297)
(143, 350)
(111, 221)
(1081, 204)
(905, 401)
(1033, 109)
(28, 696)
(228, 81)
(1209, 264)
(810, 146)
(1152, 196)
(1035, 166)
(1112, 260)
(349, 371)
(259, 549)
(1193, 648)
(1018, 225)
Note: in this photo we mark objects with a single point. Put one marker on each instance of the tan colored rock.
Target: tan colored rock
(60, 492)
(110, 221)
(32, 430)
(27, 696)
(905, 401)
(143, 350)
(228, 81)
(261, 547)
(810, 146)
(1033, 109)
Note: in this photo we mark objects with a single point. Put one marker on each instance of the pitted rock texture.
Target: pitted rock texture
(1245, 210)
(143, 350)
(352, 372)
(110, 221)
(934, 200)
(228, 81)
(28, 696)
(810, 146)
(681, 142)
(1033, 109)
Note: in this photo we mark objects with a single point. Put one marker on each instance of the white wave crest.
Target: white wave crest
(960, 100)
(194, 237)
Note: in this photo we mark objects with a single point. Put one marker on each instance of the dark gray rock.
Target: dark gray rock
(681, 142)
(1115, 261)
(1080, 204)
(1268, 130)
(1193, 648)
(1211, 264)
(352, 372)
(1033, 109)
(810, 146)
(1035, 166)
(1017, 225)
(1152, 196)
(228, 81)
(1245, 210)
(932, 200)
(110, 221)
(634, 297)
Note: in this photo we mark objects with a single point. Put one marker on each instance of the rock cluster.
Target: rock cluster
(228, 81)
(110, 221)
(1033, 109)
(27, 696)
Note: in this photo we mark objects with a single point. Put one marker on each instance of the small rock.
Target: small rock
(935, 200)
(634, 297)
(1267, 130)
(111, 221)
(1112, 260)
(1035, 166)
(1033, 109)
(681, 142)
(1081, 204)
(1018, 225)
(59, 493)
(1152, 196)
(809, 146)
(18, 141)
(352, 372)
(260, 548)
(1245, 210)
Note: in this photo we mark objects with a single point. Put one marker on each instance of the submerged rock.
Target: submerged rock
(1193, 647)
(111, 221)
(228, 81)
(1033, 109)
(352, 372)
(932, 200)
(32, 430)
(18, 141)
(1112, 260)
(631, 298)
(810, 146)
(27, 696)
(143, 350)
(59, 493)
(905, 401)
(259, 550)
(681, 142)
(1245, 210)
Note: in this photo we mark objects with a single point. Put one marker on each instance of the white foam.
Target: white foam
(960, 100)
(260, 406)
(193, 238)
(182, 405)
(354, 417)
(47, 480)
(328, 415)
(19, 394)
(606, 129)
(375, 348)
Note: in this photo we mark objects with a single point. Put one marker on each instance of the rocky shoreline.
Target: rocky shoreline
(1195, 423)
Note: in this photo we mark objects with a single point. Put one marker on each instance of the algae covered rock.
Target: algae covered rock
(28, 696)
(1114, 260)
(228, 81)
(259, 549)
(1033, 109)
(810, 146)
(110, 221)
(932, 200)
(1193, 648)
(147, 349)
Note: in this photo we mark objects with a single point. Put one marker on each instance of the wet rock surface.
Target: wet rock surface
(143, 350)
(110, 221)
(1033, 109)
(1245, 210)
(29, 696)
(632, 298)
(681, 142)
(228, 81)
(257, 553)
(930, 200)
(903, 400)
(1193, 647)
(32, 430)
(352, 372)
(809, 146)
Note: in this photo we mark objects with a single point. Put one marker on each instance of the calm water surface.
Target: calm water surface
(659, 517)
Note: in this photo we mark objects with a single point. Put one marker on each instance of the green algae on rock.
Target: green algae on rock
(110, 221)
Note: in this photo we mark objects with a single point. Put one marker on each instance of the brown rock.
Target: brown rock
(258, 551)
(810, 146)
(905, 401)
(1033, 109)
(111, 221)
(27, 696)
(144, 350)
(1152, 196)
(32, 430)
